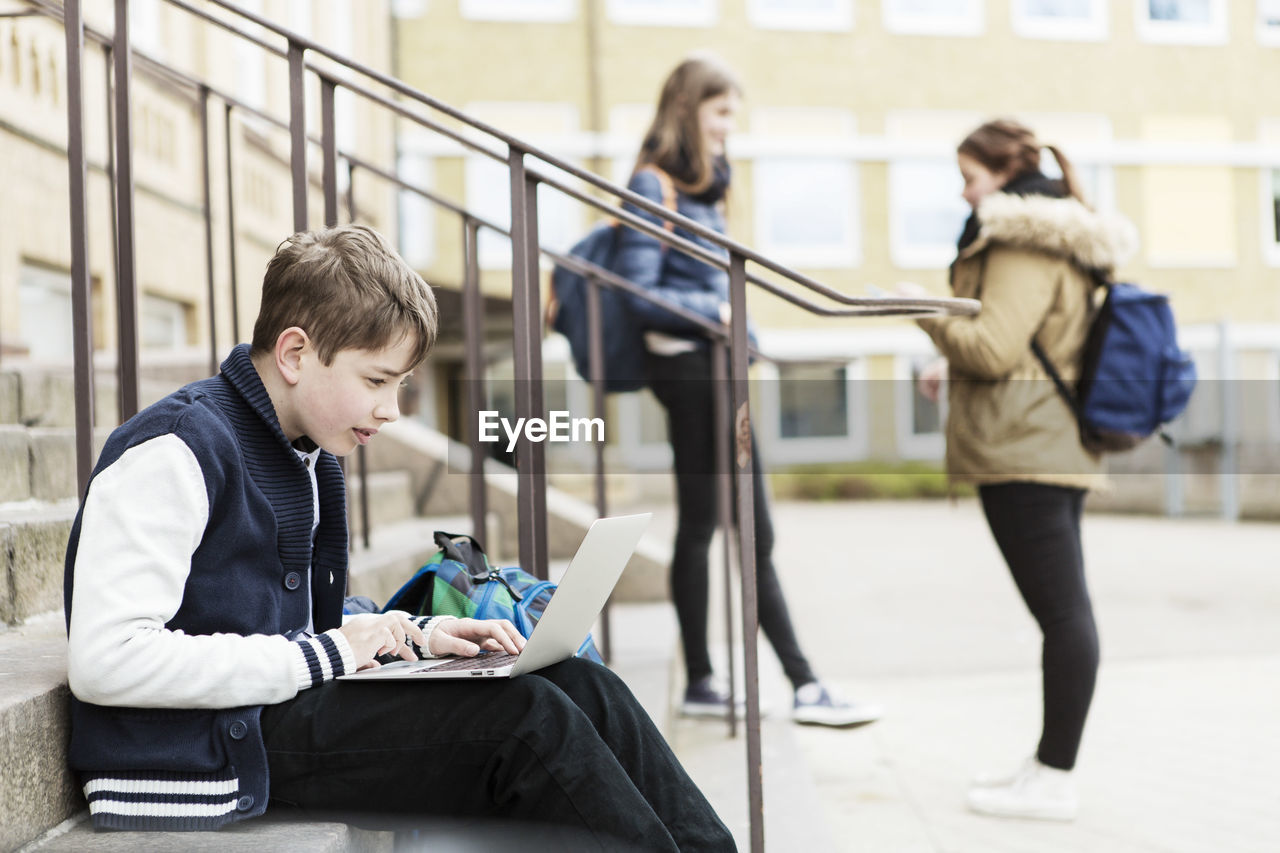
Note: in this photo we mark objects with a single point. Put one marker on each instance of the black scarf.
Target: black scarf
(683, 172)
(1032, 182)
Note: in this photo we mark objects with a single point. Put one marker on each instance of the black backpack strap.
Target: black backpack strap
(465, 550)
(1070, 398)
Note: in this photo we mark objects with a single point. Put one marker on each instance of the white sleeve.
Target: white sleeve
(143, 518)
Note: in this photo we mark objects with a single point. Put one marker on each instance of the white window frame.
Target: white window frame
(176, 311)
(845, 252)
(1094, 27)
(638, 13)
(418, 169)
(910, 444)
(1178, 32)
(526, 11)
(903, 254)
(1267, 35)
(634, 452)
(146, 27)
(778, 450)
(971, 22)
(55, 286)
(766, 15)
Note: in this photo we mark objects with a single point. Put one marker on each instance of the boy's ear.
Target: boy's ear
(291, 346)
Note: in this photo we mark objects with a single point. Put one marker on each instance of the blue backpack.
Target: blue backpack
(1134, 378)
(622, 335)
(458, 581)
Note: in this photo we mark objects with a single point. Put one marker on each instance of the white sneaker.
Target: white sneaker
(1000, 780)
(1036, 791)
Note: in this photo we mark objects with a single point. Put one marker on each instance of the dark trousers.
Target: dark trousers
(1037, 527)
(567, 747)
(683, 386)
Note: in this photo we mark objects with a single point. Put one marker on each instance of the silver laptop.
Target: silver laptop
(578, 599)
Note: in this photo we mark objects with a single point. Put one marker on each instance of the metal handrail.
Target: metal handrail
(731, 347)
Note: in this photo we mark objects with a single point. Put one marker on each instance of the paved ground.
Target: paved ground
(909, 605)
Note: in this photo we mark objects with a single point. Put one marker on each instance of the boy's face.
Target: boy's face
(342, 405)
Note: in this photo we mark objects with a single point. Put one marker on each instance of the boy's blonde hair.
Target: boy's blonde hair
(347, 288)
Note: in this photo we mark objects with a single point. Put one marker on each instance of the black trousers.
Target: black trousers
(566, 749)
(1037, 527)
(683, 385)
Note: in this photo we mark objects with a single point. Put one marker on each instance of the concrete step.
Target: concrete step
(33, 546)
(390, 499)
(36, 787)
(40, 462)
(262, 835)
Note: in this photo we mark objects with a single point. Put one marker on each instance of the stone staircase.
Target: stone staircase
(411, 494)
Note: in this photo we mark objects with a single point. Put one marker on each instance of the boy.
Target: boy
(204, 585)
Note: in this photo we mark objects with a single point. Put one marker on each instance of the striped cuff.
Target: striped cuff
(321, 658)
(428, 624)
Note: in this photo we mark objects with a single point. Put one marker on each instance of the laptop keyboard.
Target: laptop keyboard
(491, 660)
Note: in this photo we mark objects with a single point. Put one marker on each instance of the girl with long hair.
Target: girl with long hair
(685, 144)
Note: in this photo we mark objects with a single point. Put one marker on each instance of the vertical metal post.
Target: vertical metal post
(298, 135)
(1228, 482)
(126, 281)
(531, 464)
(208, 229)
(351, 191)
(473, 339)
(724, 480)
(595, 333)
(329, 146)
(231, 234)
(81, 328)
(108, 79)
(743, 464)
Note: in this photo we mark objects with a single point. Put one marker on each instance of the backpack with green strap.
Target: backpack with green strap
(458, 581)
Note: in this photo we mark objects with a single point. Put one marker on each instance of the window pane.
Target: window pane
(1057, 8)
(929, 212)
(1187, 11)
(803, 203)
(813, 401)
(948, 8)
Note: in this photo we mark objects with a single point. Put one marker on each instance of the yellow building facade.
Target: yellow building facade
(844, 163)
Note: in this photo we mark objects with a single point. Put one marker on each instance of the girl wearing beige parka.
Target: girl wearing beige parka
(1029, 253)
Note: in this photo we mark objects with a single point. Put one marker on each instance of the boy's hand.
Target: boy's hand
(373, 634)
(467, 637)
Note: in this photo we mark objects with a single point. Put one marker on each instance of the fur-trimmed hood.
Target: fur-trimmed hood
(1058, 226)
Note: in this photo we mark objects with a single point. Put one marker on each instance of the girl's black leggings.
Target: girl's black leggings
(683, 384)
(1037, 527)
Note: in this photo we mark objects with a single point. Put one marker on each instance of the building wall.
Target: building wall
(167, 158)
(851, 118)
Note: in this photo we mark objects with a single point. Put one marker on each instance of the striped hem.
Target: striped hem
(173, 801)
(428, 624)
(321, 658)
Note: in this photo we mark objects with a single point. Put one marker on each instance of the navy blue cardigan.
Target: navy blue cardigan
(196, 769)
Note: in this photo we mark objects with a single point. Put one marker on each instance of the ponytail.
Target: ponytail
(1070, 179)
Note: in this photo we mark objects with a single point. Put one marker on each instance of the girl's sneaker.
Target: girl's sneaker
(1037, 791)
(704, 698)
(818, 705)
